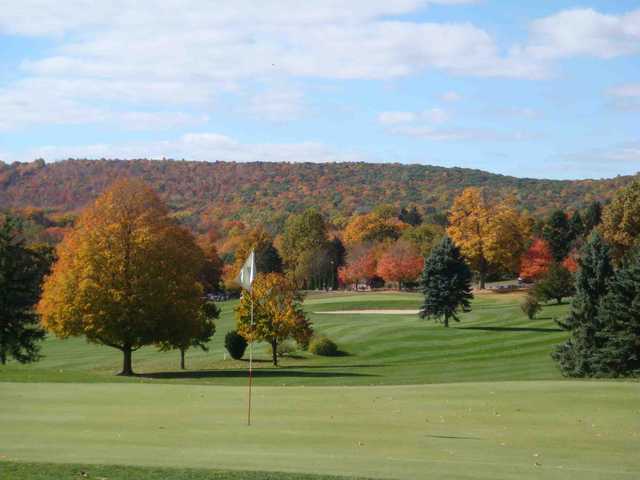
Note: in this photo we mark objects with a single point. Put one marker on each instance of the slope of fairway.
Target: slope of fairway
(493, 342)
(508, 430)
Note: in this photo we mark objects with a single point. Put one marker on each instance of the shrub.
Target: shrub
(324, 347)
(557, 284)
(235, 344)
(530, 306)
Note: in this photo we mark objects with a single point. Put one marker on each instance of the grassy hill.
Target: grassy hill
(412, 399)
(267, 192)
(495, 341)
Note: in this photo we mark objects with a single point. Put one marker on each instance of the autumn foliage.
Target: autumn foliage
(126, 276)
(361, 266)
(277, 313)
(401, 263)
(536, 260)
(490, 234)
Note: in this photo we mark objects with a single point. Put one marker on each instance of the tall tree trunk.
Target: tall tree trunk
(3, 357)
(274, 352)
(483, 272)
(182, 352)
(446, 321)
(127, 369)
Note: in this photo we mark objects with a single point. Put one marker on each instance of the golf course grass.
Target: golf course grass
(465, 430)
(495, 341)
(409, 400)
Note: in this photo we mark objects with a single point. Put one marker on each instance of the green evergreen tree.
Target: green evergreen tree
(21, 272)
(575, 356)
(338, 258)
(557, 283)
(592, 216)
(576, 225)
(411, 217)
(618, 352)
(446, 283)
(557, 233)
(268, 260)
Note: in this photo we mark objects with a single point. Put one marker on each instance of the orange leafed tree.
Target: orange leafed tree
(374, 227)
(362, 267)
(536, 260)
(571, 262)
(401, 263)
(126, 275)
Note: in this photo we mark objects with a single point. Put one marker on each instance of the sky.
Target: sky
(538, 88)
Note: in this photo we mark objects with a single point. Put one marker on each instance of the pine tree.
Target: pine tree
(411, 217)
(592, 216)
(446, 282)
(557, 233)
(619, 316)
(575, 356)
(268, 260)
(576, 225)
(21, 271)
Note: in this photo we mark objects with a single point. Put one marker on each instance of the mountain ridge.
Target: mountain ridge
(266, 192)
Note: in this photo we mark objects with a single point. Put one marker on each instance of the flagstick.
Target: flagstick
(250, 365)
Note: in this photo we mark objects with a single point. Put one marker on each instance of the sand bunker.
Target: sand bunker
(370, 312)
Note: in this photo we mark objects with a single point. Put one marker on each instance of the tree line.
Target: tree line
(128, 274)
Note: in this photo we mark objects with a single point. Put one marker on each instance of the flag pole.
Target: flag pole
(250, 365)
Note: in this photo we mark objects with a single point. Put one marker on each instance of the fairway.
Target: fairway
(474, 430)
(409, 399)
(495, 341)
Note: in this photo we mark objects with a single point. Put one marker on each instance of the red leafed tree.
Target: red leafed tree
(536, 261)
(362, 267)
(571, 263)
(401, 263)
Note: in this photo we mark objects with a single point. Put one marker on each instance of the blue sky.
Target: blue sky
(547, 89)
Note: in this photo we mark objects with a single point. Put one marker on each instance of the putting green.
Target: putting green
(589, 430)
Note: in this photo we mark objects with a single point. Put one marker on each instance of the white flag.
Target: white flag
(248, 272)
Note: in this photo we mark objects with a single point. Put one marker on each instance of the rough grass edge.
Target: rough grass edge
(56, 471)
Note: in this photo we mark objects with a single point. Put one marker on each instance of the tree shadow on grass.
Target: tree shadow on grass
(513, 329)
(451, 437)
(258, 373)
(306, 367)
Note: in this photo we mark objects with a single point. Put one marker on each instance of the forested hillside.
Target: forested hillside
(266, 193)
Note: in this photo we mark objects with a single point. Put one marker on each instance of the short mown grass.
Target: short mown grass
(505, 430)
(53, 471)
(495, 341)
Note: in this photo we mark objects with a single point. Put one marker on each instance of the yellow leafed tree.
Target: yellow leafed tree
(126, 276)
(277, 312)
(489, 234)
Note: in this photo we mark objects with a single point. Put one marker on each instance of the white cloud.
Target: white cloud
(428, 125)
(450, 134)
(451, 96)
(127, 56)
(278, 105)
(623, 159)
(433, 115)
(199, 146)
(584, 32)
(624, 91)
(625, 97)
(43, 102)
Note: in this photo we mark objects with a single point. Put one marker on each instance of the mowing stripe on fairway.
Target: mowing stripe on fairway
(469, 430)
